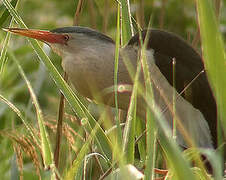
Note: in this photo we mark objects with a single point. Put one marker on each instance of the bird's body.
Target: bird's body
(88, 59)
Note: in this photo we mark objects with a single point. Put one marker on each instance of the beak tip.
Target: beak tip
(45, 36)
(6, 29)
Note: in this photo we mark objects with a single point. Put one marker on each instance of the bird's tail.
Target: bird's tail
(191, 118)
(196, 126)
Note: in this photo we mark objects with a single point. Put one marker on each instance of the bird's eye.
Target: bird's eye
(66, 37)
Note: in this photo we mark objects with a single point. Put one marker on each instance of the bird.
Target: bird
(88, 57)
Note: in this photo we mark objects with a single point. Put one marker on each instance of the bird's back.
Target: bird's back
(189, 64)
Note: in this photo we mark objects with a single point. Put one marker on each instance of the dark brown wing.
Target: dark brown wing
(189, 64)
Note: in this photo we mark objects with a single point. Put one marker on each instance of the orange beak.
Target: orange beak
(45, 36)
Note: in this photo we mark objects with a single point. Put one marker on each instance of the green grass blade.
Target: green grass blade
(7, 38)
(141, 139)
(177, 163)
(20, 115)
(73, 100)
(126, 21)
(151, 130)
(6, 13)
(75, 168)
(117, 47)
(171, 149)
(129, 131)
(45, 143)
(213, 158)
(214, 59)
(13, 13)
(216, 162)
(3, 52)
(214, 54)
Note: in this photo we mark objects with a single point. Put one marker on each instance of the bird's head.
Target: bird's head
(67, 39)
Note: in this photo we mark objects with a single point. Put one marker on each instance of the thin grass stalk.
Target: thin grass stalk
(170, 146)
(179, 166)
(151, 133)
(126, 21)
(171, 149)
(75, 168)
(140, 13)
(214, 55)
(117, 46)
(62, 101)
(129, 131)
(215, 59)
(177, 162)
(3, 57)
(165, 131)
(118, 144)
(162, 14)
(174, 99)
(78, 11)
(217, 7)
(103, 141)
(20, 115)
(141, 139)
(92, 14)
(105, 16)
(59, 126)
(6, 14)
(45, 142)
(151, 130)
